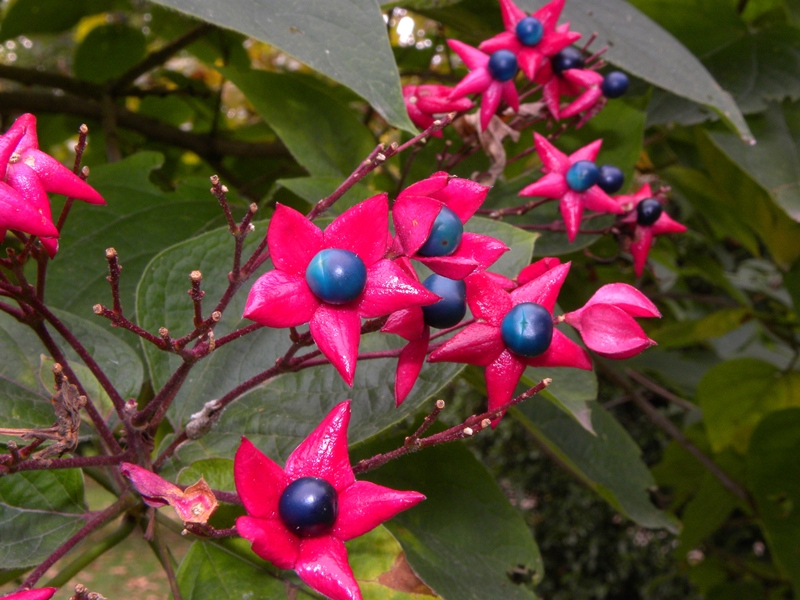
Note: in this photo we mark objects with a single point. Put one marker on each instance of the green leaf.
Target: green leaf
(571, 391)
(25, 17)
(324, 136)
(138, 221)
(108, 51)
(343, 39)
(773, 463)
(39, 510)
(520, 243)
(749, 201)
(687, 333)
(643, 48)
(465, 510)
(736, 394)
(314, 189)
(773, 163)
(608, 463)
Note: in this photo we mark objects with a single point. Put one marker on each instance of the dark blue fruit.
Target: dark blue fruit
(527, 329)
(451, 308)
(568, 58)
(529, 31)
(336, 276)
(610, 179)
(582, 175)
(445, 235)
(503, 65)
(614, 85)
(308, 506)
(648, 211)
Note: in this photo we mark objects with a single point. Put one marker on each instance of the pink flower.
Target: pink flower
(283, 297)
(583, 83)
(33, 173)
(485, 344)
(481, 80)
(348, 509)
(195, 504)
(557, 184)
(419, 205)
(648, 219)
(606, 321)
(531, 55)
(38, 594)
(425, 102)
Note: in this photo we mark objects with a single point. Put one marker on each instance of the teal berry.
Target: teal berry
(445, 235)
(503, 65)
(582, 175)
(529, 31)
(527, 329)
(614, 85)
(610, 179)
(336, 276)
(648, 211)
(308, 506)
(451, 308)
(568, 58)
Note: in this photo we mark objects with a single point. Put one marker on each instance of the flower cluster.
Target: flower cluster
(299, 517)
(28, 175)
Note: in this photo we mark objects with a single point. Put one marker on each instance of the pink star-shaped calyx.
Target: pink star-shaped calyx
(480, 81)
(425, 103)
(583, 83)
(643, 229)
(482, 343)
(37, 594)
(416, 209)
(33, 174)
(606, 321)
(283, 298)
(554, 184)
(531, 57)
(320, 559)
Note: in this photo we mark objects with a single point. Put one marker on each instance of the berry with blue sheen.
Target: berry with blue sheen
(648, 211)
(503, 65)
(336, 276)
(568, 58)
(610, 179)
(614, 85)
(445, 235)
(308, 506)
(451, 308)
(527, 329)
(582, 175)
(529, 31)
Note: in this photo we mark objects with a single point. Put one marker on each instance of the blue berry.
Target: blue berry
(308, 506)
(445, 235)
(610, 179)
(527, 329)
(614, 85)
(336, 276)
(582, 175)
(503, 65)
(568, 58)
(648, 211)
(529, 31)
(451, 308)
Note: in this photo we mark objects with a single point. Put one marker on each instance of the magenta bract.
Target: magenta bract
(425, 103)
(321, 561)
(38, 594)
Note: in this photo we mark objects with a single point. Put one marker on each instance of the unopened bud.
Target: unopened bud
(196, 276)
(163, 332)
(486, 423)
(84, 129)
(85, 172)
(468, 431)
(216, 316)
(547, 381)
(253, 207)
(111, 253)
(440, 404)
(98, 309)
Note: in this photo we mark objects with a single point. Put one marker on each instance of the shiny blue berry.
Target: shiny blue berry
(445, 235)
(648, 211)
(527, 329)
(451, 308)
(614, 85)
(610, 179)
(336, 276)
(568, 58)
(308, 506)
(503, 65)
(529, 31)
(582, 175)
